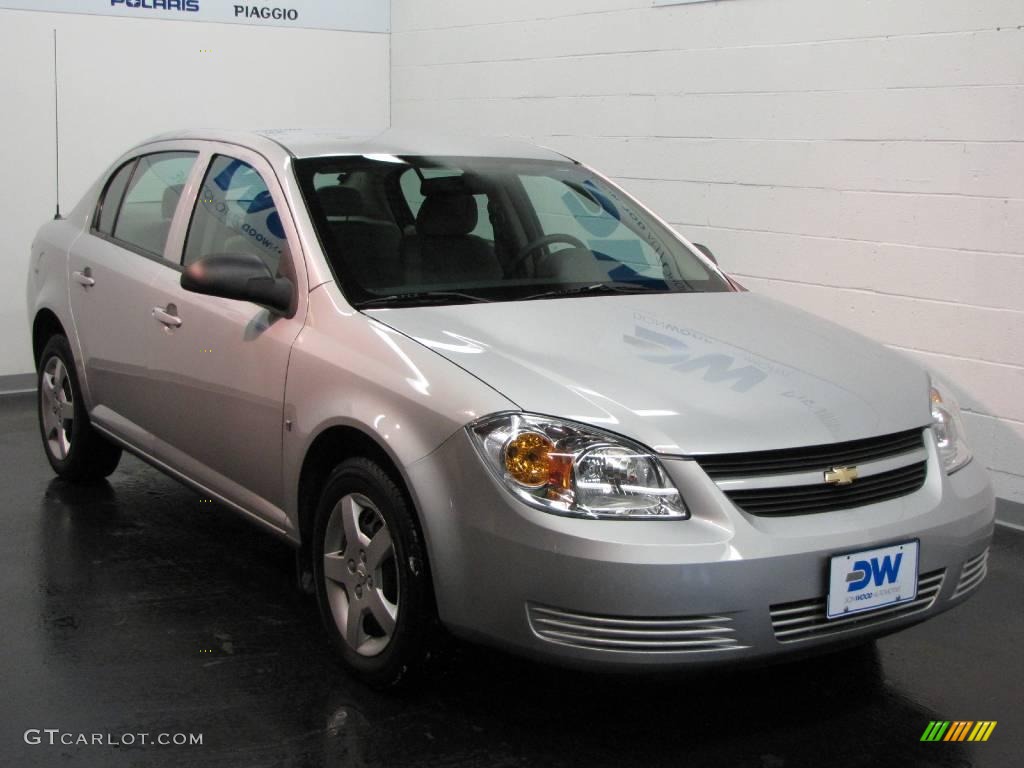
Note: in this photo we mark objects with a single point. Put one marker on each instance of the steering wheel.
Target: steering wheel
(541, 242)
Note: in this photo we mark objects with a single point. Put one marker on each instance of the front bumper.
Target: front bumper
(724, 585)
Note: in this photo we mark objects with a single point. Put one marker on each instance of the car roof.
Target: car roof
(311, 142)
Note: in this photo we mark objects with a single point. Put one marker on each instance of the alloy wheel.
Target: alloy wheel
(361, 574)
(57, 406)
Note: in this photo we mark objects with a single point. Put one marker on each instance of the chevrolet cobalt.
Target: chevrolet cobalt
(478, 386)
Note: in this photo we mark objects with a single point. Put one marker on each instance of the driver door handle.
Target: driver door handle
(167, 315)
(84, 277)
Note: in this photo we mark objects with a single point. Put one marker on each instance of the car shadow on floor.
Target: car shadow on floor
(146, 607)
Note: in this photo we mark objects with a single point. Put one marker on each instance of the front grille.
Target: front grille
(810, 458)
(972, 574)
(806, 499)
(684, 634)
(807, 619)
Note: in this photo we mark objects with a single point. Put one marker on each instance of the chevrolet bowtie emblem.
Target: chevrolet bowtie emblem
(841, 475)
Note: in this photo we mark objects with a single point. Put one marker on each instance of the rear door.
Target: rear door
(112, 270)
(222, 364)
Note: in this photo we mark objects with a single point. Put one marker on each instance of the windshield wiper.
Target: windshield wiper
(596, 288)
(424, 297)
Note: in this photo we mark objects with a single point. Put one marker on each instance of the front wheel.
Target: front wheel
(74, 449)
(369, 567)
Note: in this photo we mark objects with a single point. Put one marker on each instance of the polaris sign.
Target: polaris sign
(191, 6)
(352, 15)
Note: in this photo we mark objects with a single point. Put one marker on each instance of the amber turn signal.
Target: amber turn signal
(528, 459)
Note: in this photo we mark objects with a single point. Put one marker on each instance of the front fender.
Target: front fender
(347, 369)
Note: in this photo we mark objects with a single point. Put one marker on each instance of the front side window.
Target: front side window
(144, 217)
(409, 230)
(235, 213)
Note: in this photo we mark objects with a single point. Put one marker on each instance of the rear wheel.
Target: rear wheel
(74, 449)
(370, 573)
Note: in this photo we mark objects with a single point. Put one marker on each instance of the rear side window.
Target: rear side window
(111, 200)
(235, 213)
(151, 199)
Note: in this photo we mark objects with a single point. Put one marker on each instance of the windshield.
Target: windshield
(409, 231)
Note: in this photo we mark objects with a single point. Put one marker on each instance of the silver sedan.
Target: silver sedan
(477, 385)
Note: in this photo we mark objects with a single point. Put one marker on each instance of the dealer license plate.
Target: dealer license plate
(865, 581)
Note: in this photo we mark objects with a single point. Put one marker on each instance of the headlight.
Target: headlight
(570, 469)
(949, 428)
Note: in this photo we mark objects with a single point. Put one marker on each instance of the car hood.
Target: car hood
(684, 374)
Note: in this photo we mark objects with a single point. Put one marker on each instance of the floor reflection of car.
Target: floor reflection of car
(477, 384)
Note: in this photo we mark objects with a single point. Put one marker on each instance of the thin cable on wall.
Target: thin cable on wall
(56, 130)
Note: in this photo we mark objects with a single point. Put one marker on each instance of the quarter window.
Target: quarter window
(235, 213)
(111, 201)
(151, 200)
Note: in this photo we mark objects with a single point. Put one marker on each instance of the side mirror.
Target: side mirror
(706, 251)
(242, 276)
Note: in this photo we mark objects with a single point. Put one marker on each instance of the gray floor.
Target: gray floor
(133, 607)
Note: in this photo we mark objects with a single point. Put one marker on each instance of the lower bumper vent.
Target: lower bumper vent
(972, 574)
(807, 619)
(686, 634)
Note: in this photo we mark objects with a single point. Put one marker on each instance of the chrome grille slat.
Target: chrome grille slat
(783, 481)
(818, 619)
(625, 621)
(807, 619)
(972, 574)
(820, 629)
(684, 634)
(663, 633)
(810, 608)
(968, 585)
(666, 645)
(810, 458)
(797, 492)
(816, 605)
(798, 500)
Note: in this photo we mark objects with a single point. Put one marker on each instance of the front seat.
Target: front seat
(369, 247)
(442, 250)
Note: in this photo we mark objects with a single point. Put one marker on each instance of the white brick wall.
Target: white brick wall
(123, 79)
(863, 159)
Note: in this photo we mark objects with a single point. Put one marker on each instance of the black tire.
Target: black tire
(75, 450)
(387, 657)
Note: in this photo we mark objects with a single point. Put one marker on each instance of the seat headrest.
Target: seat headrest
(447, 215)
(340, 201)
(170, 202)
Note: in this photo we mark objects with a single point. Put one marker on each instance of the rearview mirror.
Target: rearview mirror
(706, 251)
(242, 276)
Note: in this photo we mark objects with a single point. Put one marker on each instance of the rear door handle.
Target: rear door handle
(167, 315)
(84, 277)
